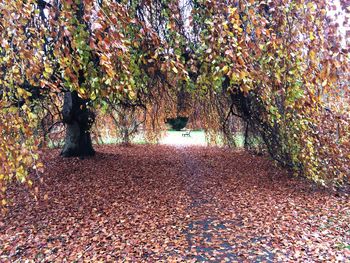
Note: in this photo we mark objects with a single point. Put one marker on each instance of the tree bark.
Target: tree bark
(78, 119)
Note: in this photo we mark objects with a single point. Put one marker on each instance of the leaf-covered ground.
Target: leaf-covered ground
(158, 203)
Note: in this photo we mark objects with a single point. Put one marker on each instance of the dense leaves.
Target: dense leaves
(278, 68)
(50, 47)
(153, 203)
(281, 67)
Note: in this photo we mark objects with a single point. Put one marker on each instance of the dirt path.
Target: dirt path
(164, 204)
(208, 233)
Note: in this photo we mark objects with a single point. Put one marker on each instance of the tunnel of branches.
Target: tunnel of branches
(257, 69)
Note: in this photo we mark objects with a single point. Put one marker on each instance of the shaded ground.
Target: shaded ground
(158, 203)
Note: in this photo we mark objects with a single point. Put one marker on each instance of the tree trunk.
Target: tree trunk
(79, 120)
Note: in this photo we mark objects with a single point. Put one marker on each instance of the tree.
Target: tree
(277, 65)
(88, 50)
(281, 64)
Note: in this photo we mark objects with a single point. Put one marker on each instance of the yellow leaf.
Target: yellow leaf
(312, 37)
(48, 69)
(30, 183)
(15, 70)
(21, 91)
(245, 88)
(232, 9)
(32, 115)
(104, 58)
(243, 74)
(110, 72)
(225, 69)
(82, 91)
(312, 55)
(93, 95)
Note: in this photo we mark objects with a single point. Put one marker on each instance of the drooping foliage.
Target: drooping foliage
(275, 70)
(284, 69)
(51, 47)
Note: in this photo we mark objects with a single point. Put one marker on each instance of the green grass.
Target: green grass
(171, 137)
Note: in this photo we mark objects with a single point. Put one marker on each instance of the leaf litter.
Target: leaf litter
(165, 204)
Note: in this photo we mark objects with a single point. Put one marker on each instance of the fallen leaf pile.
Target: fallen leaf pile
(158, 203)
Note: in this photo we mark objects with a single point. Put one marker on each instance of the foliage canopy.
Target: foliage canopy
(278, 65)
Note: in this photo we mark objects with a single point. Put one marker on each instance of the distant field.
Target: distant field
(196, 138)
(175, 138)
